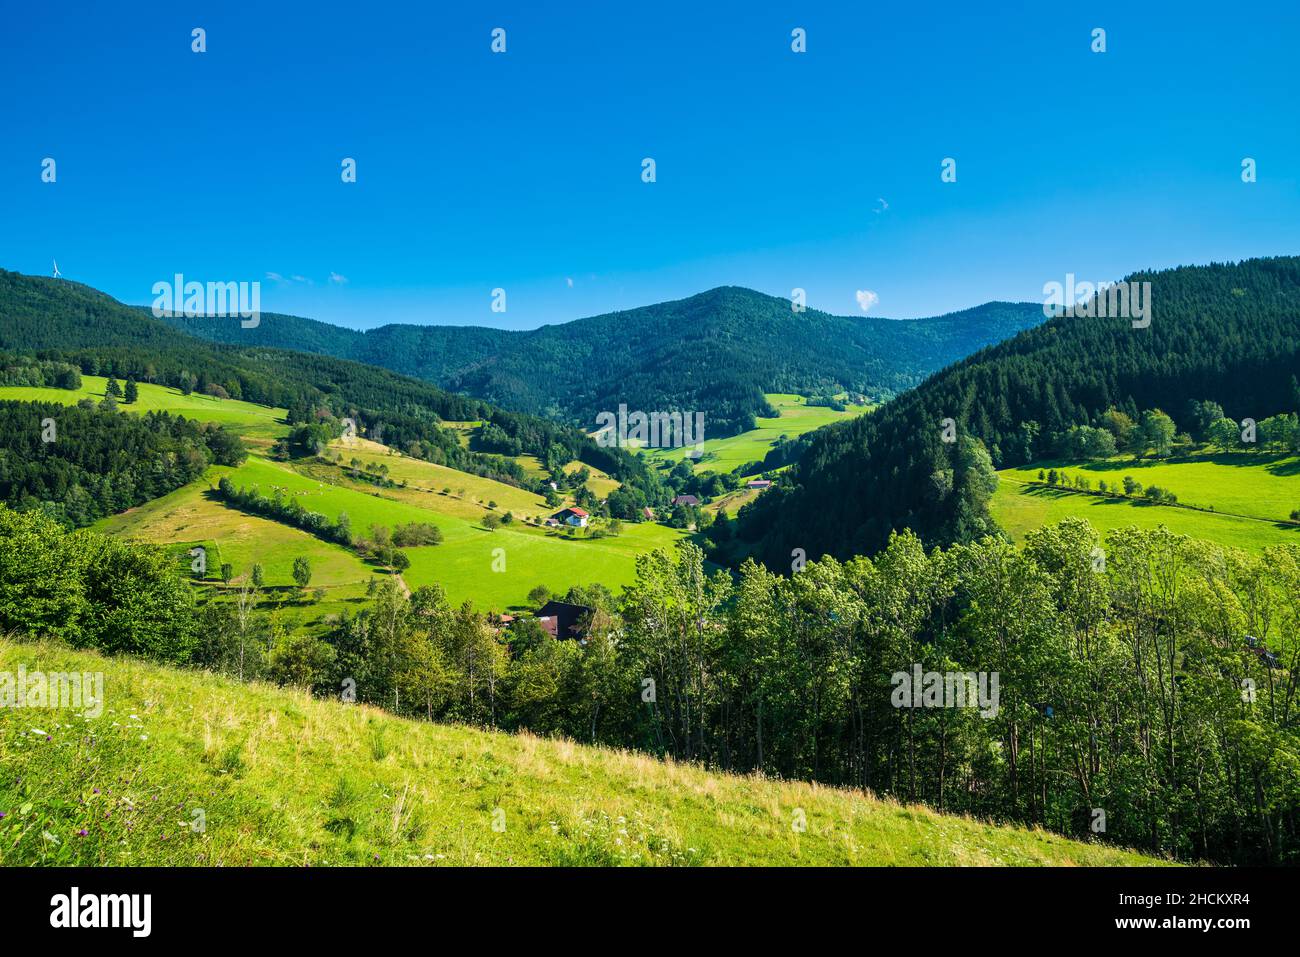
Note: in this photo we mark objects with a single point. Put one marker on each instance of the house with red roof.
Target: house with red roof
(575, 516)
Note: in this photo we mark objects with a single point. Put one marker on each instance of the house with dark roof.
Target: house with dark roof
(686, 500)
(560, 619)
(758, 483)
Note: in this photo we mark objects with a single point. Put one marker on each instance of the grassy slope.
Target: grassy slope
(462, 564)
(796, 418)
(423, 478)
(284, 779)
(187, 517)
(254, 421)
(733, 502)
(1258, 490)
(600, 484)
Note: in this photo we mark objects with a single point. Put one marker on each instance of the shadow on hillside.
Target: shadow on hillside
(1047, 491)
(1276, 463)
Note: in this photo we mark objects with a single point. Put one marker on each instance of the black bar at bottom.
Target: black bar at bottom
(239, 906)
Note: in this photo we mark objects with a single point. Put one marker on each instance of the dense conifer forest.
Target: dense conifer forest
(1225, 333)
(81, 463)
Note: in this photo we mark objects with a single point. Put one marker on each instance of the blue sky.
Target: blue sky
(523, 170)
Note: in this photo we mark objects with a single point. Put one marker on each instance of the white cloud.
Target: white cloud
(569, 280)
(338, 280)
(883, 205)
(866, 299)
(278, 277)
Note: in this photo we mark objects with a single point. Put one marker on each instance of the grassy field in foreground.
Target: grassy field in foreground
(796, 418)
(279, 778)
(1021, 507)
(255, 421)
(463, 564)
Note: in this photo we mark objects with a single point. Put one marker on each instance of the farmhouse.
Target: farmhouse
(758, 483)
(570, 516)
(562, 620)
(686, 500)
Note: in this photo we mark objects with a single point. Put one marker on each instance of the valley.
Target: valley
(796, 417)
(468, 567)
(493, 568)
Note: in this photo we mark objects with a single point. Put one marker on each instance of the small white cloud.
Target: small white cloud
(569, 281)
(279, 277)
(337, 279)
(883, 205)
(866, 299)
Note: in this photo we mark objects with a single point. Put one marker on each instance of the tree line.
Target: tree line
(1145, 688)
(80, 463)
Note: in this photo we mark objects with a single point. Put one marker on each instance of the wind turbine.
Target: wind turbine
(57, 274)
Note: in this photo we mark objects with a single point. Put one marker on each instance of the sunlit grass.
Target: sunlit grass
(246, 418)
(276, 777)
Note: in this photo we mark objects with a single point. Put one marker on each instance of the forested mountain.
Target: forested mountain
(1227, 333)
(716, 352)
(80, 463)
(67, 322)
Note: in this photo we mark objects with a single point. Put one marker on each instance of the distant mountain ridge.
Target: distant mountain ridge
(716, 352)
(72, 322)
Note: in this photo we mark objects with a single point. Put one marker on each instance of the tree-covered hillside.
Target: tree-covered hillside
(716, 352)
(80, 463)
(69, 323)
(1227, 333)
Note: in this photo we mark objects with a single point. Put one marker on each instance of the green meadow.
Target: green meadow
(469, 495)
(188, 517)
(497, 569)
(728, 454)
(732, 502)
(254, 421)
(1251, 497)
(185, 768)
(428, 477)
(463, 564)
